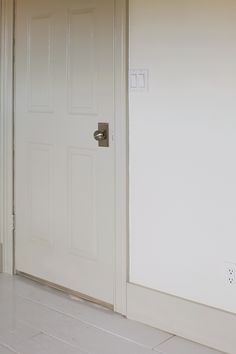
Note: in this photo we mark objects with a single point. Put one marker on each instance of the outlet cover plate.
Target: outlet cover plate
(230, 273)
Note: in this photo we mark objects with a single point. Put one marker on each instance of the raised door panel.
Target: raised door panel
(82, 62)
(40, 63)
(40, 192)
(82, 203)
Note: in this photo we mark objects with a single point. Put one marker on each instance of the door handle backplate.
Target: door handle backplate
(102, 135)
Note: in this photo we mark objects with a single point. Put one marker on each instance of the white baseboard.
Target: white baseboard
(202, 324)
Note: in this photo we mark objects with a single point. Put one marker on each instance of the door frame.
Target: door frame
(7, 218)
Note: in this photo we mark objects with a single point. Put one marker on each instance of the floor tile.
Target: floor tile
(92, 314)
(16, 332)
(35, 319)
(95, 341)
(5, 350)
(46, 320)
(42, 344)
(71, 331)
(178, 345)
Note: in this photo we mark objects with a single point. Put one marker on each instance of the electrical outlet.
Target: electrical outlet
(230, 273)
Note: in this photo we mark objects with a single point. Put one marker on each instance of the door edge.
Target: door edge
(6, 134)
(121, 155)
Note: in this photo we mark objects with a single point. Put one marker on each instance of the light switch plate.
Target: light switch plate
(139, 80)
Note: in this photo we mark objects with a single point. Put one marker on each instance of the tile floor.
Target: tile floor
(37, 320)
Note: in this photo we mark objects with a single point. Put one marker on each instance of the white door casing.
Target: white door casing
(6, 133)
(64, 183)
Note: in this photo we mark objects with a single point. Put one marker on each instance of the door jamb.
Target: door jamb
(6, 134)
(121, 155)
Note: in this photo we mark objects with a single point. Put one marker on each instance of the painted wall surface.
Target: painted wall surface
(183, 148)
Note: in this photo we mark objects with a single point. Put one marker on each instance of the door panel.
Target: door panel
(40, 65)
(64, 183)
(40, 186)
(82, 64)
(82, 199)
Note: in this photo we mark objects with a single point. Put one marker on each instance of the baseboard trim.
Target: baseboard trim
(202, 324)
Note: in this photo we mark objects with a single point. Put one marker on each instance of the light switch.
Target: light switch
(141, 81)
(133, 81)
(138, 80)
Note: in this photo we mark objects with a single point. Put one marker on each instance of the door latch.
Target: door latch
(102, 135)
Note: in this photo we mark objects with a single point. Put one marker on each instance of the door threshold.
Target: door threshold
(65, 290)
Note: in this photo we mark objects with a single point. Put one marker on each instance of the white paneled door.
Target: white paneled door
(64, 182)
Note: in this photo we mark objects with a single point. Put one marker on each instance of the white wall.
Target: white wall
(183, 148)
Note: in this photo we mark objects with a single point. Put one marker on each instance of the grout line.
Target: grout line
(86, 322)
(164, 341)
(41, 331)
(30, 287)
(9, 347)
